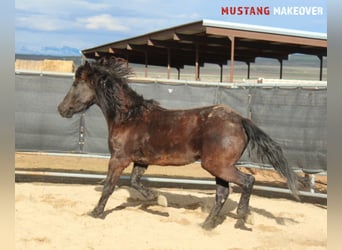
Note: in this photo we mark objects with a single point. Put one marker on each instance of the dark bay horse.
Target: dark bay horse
(142, 132)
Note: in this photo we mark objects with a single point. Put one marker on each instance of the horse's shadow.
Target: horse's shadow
(191, 202)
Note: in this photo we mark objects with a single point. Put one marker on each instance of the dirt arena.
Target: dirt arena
(55, 216)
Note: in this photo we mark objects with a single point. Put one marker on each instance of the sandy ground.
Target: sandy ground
(55, 216)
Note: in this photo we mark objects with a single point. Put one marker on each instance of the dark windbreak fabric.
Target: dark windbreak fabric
(294, 117)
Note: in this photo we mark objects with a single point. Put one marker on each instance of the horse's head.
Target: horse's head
(81, 94)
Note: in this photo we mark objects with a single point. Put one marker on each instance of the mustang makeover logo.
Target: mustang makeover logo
(267, 10)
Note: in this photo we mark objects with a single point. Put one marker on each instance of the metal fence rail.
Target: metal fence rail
(70, 177)
(22, 175)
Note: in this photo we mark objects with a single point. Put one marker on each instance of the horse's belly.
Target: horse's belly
(172, 160)
(163, 157)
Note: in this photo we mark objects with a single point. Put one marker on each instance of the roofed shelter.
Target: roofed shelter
(215, 42)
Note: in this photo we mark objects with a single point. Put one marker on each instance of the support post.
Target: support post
(281, 68)
(320, 68)
(197, 63)
(168, 63)
(232, 55)
(81, 139)
(311, 180)
(221, 72)
(248, 70)
(146, 64)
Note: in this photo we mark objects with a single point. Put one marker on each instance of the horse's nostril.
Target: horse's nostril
(59, 108)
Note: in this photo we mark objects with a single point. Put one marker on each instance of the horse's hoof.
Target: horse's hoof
(249, 219)
(96, 214)
(208, 225)
(151, 196)
(162, 201)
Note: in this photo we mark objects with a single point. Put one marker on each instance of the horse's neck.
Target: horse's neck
(107, 106)
(109, 114)
(120, 107)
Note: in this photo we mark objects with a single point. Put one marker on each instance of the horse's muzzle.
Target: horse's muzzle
(65, 112)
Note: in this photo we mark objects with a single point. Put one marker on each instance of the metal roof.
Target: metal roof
(265, 29)
(209, 41)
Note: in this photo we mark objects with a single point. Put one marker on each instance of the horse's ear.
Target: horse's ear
(87, 64)
(85, 70)
(87, 67)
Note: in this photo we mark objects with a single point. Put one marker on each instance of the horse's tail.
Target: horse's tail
(267, 150)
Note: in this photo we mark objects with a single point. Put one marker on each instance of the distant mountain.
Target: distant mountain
(64, 51)
(50, 51)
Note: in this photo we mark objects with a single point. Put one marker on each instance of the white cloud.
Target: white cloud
(52, 6)
(91, 5)
(42, 22)
(55, 15)
(104, 22)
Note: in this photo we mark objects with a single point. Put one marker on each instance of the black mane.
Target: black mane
(115, 97)
(115, 66)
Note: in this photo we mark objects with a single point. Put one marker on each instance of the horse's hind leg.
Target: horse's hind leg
(246, 182)
(137, 172)
(222, 192)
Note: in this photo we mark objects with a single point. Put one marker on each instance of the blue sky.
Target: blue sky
(52, 26)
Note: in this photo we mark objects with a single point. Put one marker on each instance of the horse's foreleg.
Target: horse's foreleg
(222, 192)
(115, 169)
(137, 172)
